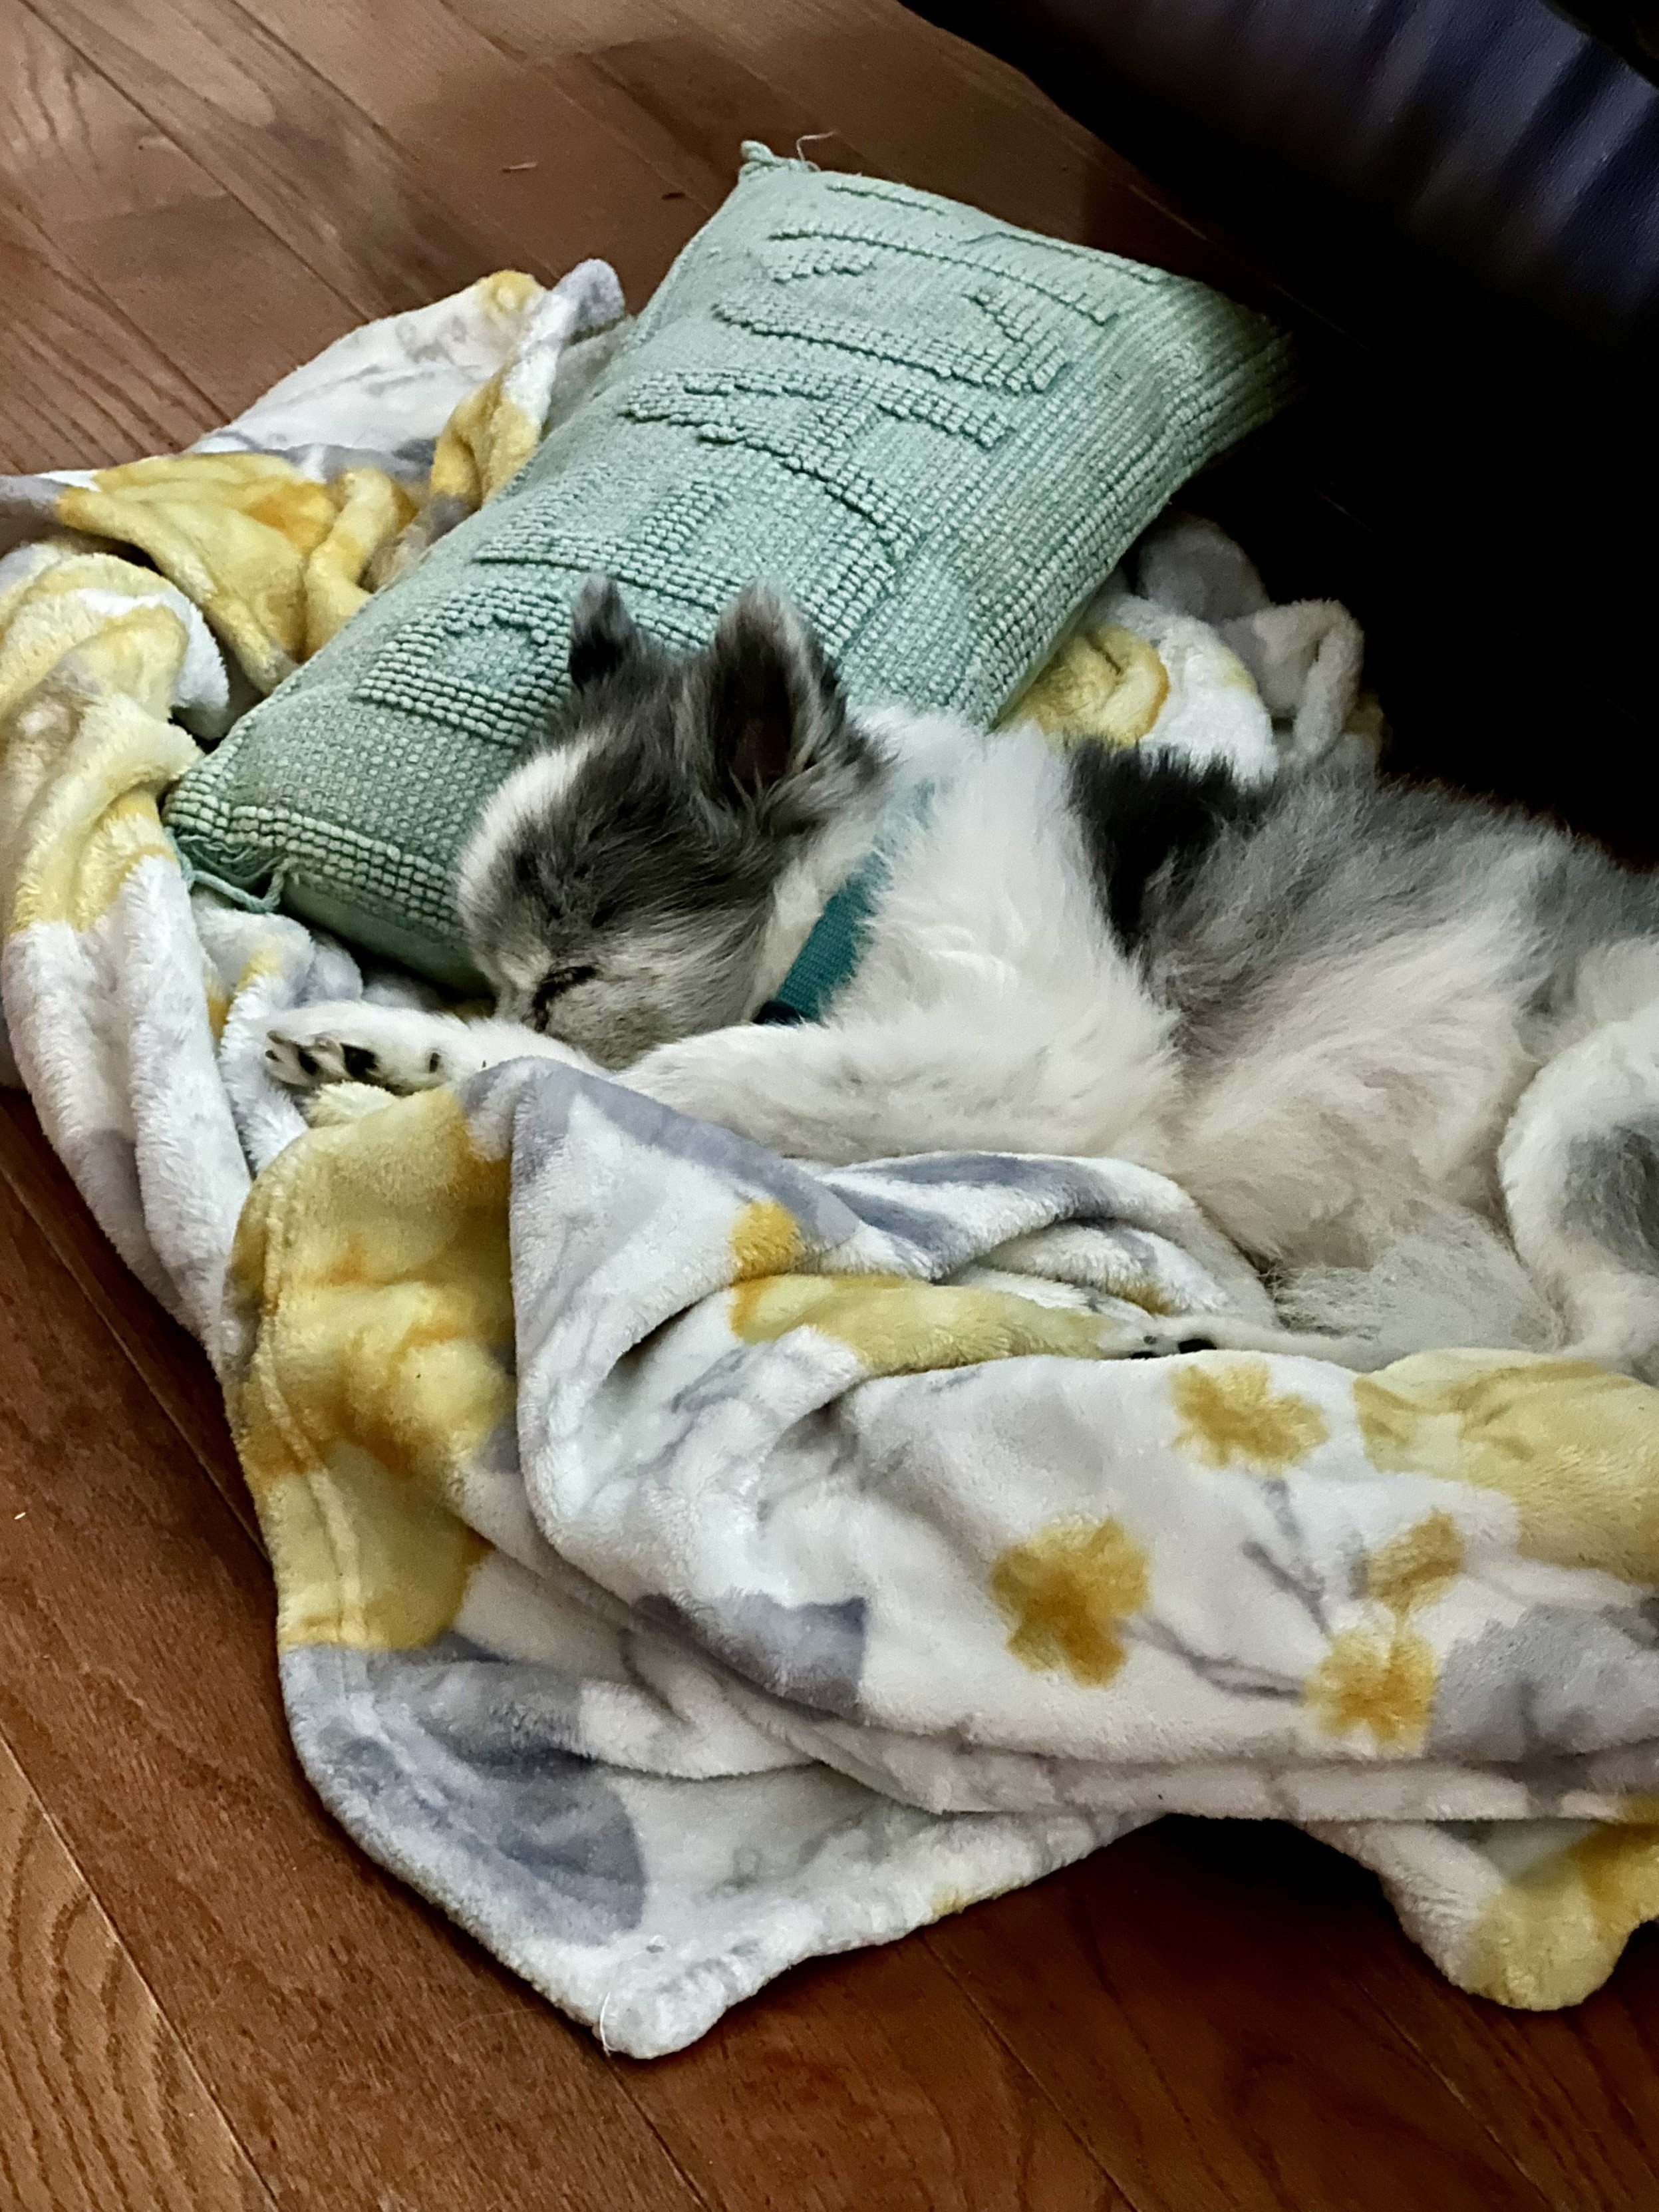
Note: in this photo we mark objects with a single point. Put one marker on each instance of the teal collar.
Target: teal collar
(829, 960)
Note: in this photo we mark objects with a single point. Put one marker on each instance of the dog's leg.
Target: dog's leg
(929, 1080)
(1213, 1332)
(1580, 1170)
(1175, 1336)
(397, 1048)
(796, 1088)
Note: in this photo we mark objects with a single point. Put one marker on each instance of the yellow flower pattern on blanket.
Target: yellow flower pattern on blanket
(1383, 1680)
(1551, 1932)
(1418, 1568)
(896, 1324)
(766, 1240)
(1065, 1592)
(1231, 1414)
(274, 560)
(1382, 1677)
(1575, 1447)
(495, 429)
(86, 681)
(372, 1277)
(1105, 684)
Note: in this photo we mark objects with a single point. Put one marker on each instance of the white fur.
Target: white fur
(1377, 1075)
(526, 795)
(917, 750)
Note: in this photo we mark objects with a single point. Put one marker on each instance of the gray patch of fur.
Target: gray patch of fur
(1335, 863)
(1610, 1193)
(628, 906)
(1444, 1277)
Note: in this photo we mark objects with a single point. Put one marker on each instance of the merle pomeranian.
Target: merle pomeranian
(1401, 1047)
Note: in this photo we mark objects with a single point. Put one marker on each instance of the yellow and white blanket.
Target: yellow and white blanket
(687, 1563)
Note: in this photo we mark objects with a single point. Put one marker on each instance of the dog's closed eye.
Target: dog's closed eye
(554, 985)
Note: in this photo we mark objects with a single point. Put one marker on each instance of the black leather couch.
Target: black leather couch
(1458, 205)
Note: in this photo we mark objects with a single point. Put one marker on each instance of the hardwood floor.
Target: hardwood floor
(208, 1998)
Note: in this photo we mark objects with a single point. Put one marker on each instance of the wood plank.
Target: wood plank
(534, 179)
(862, 84)
(168, 1358)
(100, 2109)
(867, 2081)
(1573, 2096)
(215, 289)
(659, 69)
(276, 136)
(1208, 2052)
(942, 115)
(361, 2050)
(79, 387)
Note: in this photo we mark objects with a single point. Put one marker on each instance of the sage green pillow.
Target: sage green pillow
(939, 433)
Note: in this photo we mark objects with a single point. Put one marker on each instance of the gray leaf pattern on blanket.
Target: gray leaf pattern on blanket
(462, 1751)
(808, 1655)
(1549, 1683)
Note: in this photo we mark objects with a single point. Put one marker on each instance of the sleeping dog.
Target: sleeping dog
(1401, 1047)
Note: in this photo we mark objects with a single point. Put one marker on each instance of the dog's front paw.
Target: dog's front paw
(395, 1047)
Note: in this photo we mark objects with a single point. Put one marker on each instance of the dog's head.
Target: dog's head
(619, 886)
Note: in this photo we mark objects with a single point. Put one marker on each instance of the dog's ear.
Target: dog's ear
(774, 700)
(603, 634)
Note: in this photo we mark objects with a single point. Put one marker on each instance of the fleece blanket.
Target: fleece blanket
(689, 1563)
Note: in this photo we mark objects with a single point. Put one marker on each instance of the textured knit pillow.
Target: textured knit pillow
(937, 432)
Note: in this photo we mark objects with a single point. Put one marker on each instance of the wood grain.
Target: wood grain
(169, 1360)
(673, 71)
(100, 2110)
(276, 136)
(875, 74)
(868, 87)
(133, 212)
(82, 387)
(1206, 2053)
(534, 178)
(1573, 2096)
(868, 2080)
